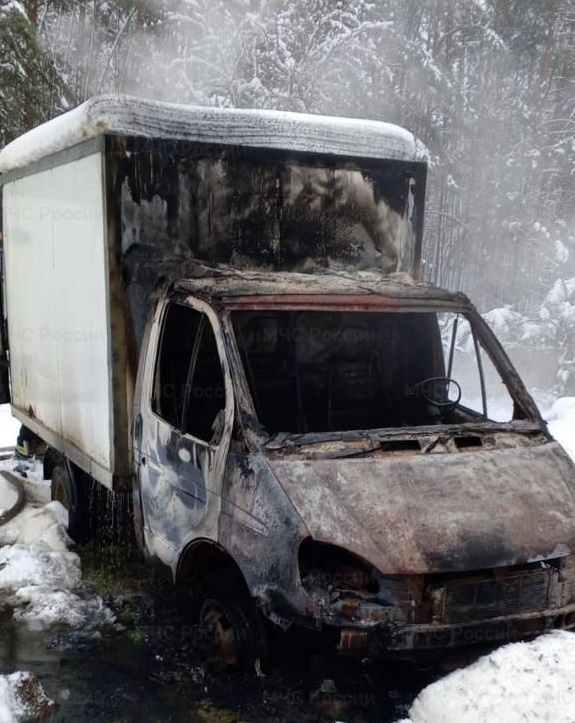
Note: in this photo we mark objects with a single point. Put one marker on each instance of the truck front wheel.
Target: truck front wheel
(233, 634)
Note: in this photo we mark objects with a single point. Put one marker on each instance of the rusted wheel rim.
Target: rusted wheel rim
(219, 635)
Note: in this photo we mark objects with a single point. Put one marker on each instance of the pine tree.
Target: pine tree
(30, 90)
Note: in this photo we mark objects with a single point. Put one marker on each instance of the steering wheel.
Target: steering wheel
(428, 387)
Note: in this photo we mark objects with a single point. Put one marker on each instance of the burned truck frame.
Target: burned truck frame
(309, 433)
(427, 529)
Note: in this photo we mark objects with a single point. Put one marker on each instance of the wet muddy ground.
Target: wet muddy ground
(149, 667)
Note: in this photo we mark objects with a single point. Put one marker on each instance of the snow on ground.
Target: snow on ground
(22, 699)
(11, 706)
(518, 683)
(561, 419)
(9, 427)
(40, 578)
(43, 587)
(8, 498)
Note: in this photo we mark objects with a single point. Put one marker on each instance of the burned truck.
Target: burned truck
(220, 311)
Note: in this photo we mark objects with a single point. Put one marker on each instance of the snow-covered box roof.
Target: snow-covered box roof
(126, 115)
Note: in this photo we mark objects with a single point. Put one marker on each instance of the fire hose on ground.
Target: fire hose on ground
(18, 488)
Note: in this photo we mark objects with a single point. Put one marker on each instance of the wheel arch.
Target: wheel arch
(53, 459)
(205, 561)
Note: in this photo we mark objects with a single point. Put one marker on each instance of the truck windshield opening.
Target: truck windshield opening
(318, 371)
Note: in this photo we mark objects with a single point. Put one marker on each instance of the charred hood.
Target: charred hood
(444, 513)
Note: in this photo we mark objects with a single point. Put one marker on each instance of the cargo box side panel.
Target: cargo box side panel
(56, 292)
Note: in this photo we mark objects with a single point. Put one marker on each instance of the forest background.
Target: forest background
(488, 85)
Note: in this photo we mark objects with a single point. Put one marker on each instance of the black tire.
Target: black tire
(94, 512)
(233, 634)
(66, 490)
(51, 460)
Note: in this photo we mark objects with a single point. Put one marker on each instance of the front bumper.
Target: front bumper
(410, 639)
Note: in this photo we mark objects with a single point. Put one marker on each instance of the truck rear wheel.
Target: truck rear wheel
(65, 490)
(94, 512)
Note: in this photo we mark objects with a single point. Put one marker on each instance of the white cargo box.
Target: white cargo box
(101, 202)
(56, 291)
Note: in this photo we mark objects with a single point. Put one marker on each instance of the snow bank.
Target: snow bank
(9, 427)
(39, 584)
(126, 115)
(22, 566)
(40, 579)
(11, 706)
(8, 497)
(561, 421)
(505, 322)
(518, 683)
(22, 699)
(44, 527)
(12, 6)
(42, 608)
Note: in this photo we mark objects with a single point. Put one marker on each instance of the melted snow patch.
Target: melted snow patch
(518, 683)
(40, 579)
(38, 584)
(44, 608)
(22, 566)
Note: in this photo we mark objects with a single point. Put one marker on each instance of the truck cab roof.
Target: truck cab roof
(237, 288)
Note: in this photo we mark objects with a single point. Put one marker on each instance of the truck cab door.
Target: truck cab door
(183, 429)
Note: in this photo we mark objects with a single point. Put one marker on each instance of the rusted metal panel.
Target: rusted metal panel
(443, 513)
(323, 302)
(262, 530)
(227, 283)
(402, 440)
(413, 639)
